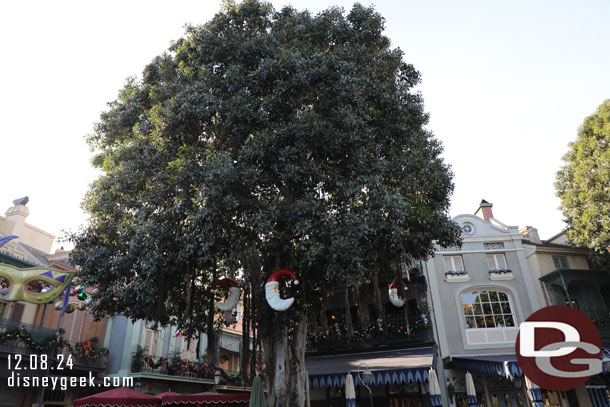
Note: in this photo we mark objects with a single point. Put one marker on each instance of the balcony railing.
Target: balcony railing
(161, 365)
(89, 360)
(21, 338)
(13, 334)
(150, 364)
(391, 332)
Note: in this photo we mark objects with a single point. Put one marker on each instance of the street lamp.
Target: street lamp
(366, 379)
(217, 376)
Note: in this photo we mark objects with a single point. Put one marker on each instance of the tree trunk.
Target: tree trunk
(402, 292)
(254, 333)
(359, 308)
(285, 357)
(348, 313)
(255, 266)
(377, 297)
(211, 349)
(245, 337)
(324, 309)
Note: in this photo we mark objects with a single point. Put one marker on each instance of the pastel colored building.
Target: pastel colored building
(40, 322)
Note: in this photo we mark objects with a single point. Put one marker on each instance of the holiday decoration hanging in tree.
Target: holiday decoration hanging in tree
(81, 294)
(230, 303)
(393, 293)
(272, 290)
(233, 296)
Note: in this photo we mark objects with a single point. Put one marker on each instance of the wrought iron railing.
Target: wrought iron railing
(389, 332)
(21, 338)
(171, 366)
(94, 359)
(13, 336)
(594, 313)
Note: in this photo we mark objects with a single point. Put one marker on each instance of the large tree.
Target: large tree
(583, 183)
(262, 140)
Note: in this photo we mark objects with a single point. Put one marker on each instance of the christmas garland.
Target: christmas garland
(455, 273)
(603, 321)
(85, 350)
(500, 271)
(372, 329)
(22, 335)
(229, 379)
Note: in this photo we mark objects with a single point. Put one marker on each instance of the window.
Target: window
(561, 262)
(4, 308)
(487, 309)
(467, 228)
(453, 263)
(496, 262)
(234, 363)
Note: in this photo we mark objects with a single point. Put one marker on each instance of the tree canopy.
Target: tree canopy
(584, 180)
(262, 140)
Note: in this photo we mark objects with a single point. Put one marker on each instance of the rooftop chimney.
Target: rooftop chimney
(484, 211)
(530, 233)
(15, 217)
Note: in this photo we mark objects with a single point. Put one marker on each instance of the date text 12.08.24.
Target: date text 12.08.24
(39, 362)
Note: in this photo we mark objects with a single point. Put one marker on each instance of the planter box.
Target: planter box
(457, 278)
(501, 276)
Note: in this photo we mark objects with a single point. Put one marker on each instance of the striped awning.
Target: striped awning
(599, 396)
(401, 366)
(492, 365)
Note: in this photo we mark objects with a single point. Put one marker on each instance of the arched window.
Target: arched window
(487, 309)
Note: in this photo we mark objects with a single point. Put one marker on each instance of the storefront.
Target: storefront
(398, 378)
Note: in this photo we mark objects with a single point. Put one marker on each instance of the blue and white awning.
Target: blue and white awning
(379, 378)
(401, 366)
(492, 365)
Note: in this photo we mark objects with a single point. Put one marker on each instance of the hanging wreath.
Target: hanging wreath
(393, 293)
(272, 290)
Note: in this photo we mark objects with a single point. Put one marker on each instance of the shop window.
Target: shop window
(487, 309)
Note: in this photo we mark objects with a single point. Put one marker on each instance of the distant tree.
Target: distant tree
(263, 140)
(583, 183)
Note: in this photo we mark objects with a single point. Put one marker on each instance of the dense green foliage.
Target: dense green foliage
(583, 182)
(262, 140)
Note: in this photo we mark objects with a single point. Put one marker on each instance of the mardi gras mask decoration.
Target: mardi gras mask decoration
(35, 284)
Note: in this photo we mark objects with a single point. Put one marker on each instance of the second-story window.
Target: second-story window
(233, 363)
(4, 309)
(453, 263)
(496, 261)
(487, 309)
(561, 262)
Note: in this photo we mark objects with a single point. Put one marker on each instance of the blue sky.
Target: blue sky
(506, 84)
